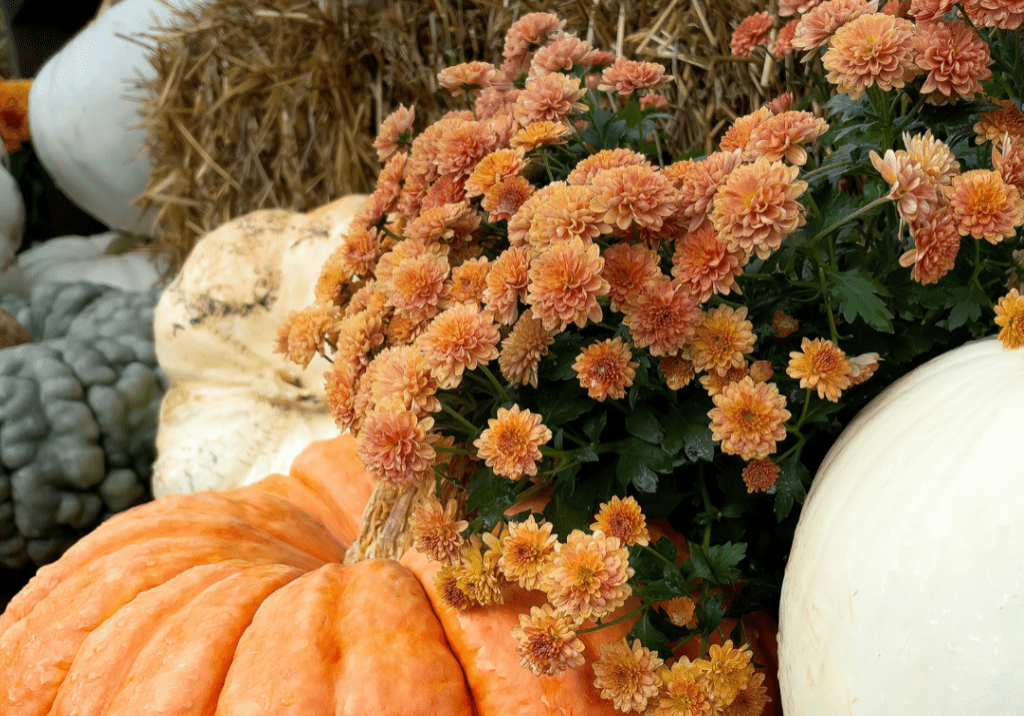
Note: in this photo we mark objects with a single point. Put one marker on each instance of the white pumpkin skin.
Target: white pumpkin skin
(904, 592)
(236, 411)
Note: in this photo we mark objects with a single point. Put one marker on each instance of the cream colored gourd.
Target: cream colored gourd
(904, 592)
(105, 258)
(235, 410)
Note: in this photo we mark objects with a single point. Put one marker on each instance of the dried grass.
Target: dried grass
(275, 103)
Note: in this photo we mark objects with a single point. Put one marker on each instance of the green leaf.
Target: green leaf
(563, 403)
(586, 454)
(643, 424)
(593, 426)
(789, 486)
(490, 495)
(858, 296)
(719, 563)
(692, 425)
(710, 613)
(649, 637)
(639, 462)
(561, 355)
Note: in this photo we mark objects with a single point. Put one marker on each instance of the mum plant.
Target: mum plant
(611, 374)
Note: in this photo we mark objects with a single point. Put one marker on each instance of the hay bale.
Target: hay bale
(275, 103)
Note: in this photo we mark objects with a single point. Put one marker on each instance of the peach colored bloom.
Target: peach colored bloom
(436, 531)
(863, 367)
(627, 675)
(546, 642)
(468, 281)
(628, 268)
(306, 332)
(1010, 319)
(526, 549)
(676, 172)
(984, 206)
(1005, 14)
(507, 284)
(339, 394)
(469, 77)
(493, 168)
(751, 700)
(684, 692)
(663, 317)
(358, 255)
(653, 101)
(565, 215)
(782, 103)
(677, 370)
(681, 611)
(929, 10)
(519, 224)
(530, 32)
(395, 445)
(538, 134)
(588, 577)
(565, 283)
(477, 574)
(504, 199)
(937, 160)
(788, 8)
(511, 443)
(590, 166)
(757, 206)
(549, 97)
(761, 371)
(818, 26)
(561, 54)
(395, 133)
(954, 56)
(738, 135)
(995, 124)
(389, 183)
(782, 135)
(461, 337)
(523, 349)
(728, 670)
(705, 264)
(606, 369)
(784, 324)
(751, 32)
(461, 147)
(701, 184)
(446, 586)
(820, 364)
(936, 244)
(1010, 162)
(914, 191)
(402, 374)
(415, 285)
(783, 46)
(626, 76)
(622, 518)
(632, 195)
(715, 382)
(749, 418)
(869, 50)
(356, 336)
(722, 340)
(759, 475)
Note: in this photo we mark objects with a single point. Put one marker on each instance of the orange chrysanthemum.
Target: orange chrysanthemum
(566, 214)
(873, 49)
(493, 168)
(530, 32)
(685, 691)
(447, 588)
(783, 45)
(751, 700)
(511, 443)
(1008, 160)
(395, 133)
(628, 268)
(784, 134)
(627, 676)
(415, 285)
(714, 382)
(995, 124)
(626, 76)
(954, 56)
(706, 265)
(606, 369)
(816, 28)
(588, 577)
(622, 518)
(504, 199)
(565, 283)
(632, 195)
(590, 166)
(1010, 319)
(395, 445)
(549, 97)
(788, 8)
(519, 225)
(339, 394)
(538, 134)
(915, 193)
(526, 549)
(936, 244)
(522, 350)
(546, 642)
(507, 284)
(738, 135)
(1004, 14)
(436, 531)
(751, 32)
(677, 370)
(562, 54)
(749, 418)
(863, 367)
(761, 371)
(461, 337)
(701, 183)
(477, 573)
(402, 374)
(469, 77)
(759, 475)
(468, 281)
(820, 364)
(722, 340)
(357, 335)
(757, 206)
(929, 10)
(461, 147)
(663, 317)
(681, 611)
(306, 330)
(984, 206)
(784, 324)
(934, 156)
(728, 670)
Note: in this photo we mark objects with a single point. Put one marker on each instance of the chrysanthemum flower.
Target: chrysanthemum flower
(759, 475)
(538, 134)
(934, 156)
(511, 443)
(929, 10)
(468, 281)
(547, 643)
(751, 32)
(738, 135)
(415, 286)
(816, 28)
(626, 76)
(995, 124)
(627, 676)
(523, 349)
(530, 32)
(788, 8)
(561, 54)
(549, 97)
(783, 45)
(915, 193)
(728, 670)
(757, 206)
(677, 370)
(701, 184)
(1004, 14)
(714, 382)
(784, 324)
(459, 338)
(632, 195)
(358, 255)
(1010, 319)
(565, 283)
(587, 579)
(606, 369)
(306, 332)
(395, 444)
(984, 206)
(748, 418)
(681, 611)
(566, 214)
(519, 225)
(761, 371)
(358, 335)
(705, 264)
(622, 518)
(628, 268)
(954, 56)
(403, 374)
(685, 691)
(590, 166)
(751, 700)
(820, 364)
(1008, 160)
(507, 284)
(339, 394)
(460, 148)
(389, 183)
(872, 49)
(395, 133)
(936, 244)
(446, 586)
(782, 103)
(783, 135)
(527, 547)
(863, 367)
(493, 168)
(477, 574)
(469, 77)
(722, 340)
(663, 317)
(436, 531)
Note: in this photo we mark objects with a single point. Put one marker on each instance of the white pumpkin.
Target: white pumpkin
(104, 258)
(904, 592)
(82, 109)
(236, 411)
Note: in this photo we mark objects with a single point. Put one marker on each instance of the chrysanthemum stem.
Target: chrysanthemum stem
(473, 430)
(552, 452)
(828, 307)
(660, 556)
(863, 210)
(494, 381)
(454, 451)
(602, 625)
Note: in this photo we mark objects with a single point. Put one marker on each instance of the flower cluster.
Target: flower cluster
(14, 113)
